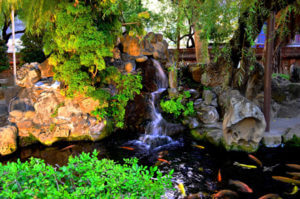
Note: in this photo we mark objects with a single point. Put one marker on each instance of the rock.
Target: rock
(194, 93)
(216, 75)
(292, 133)
(272, 139)
(148, 71)
(129, 67)
(131, 45)
(244, 123)
(208, 114)
(25, 124)
(191, 122)
(295, 73)
(213, 135)
(116, 53)
(46, 105)
(208, 97)
(141, 59)
(87, 105)
(29, 114)
(17, 114)
(289, 109)
(136, 113)
(21, 104)
(255, 82)
(8, 140)
(196, 72)
(28, 75)
(46, 69)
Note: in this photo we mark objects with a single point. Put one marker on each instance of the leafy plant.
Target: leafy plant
(84, 176)
(177, 106)
(285, 76)
(33, 48)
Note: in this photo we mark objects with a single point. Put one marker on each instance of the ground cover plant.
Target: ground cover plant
(84, 176)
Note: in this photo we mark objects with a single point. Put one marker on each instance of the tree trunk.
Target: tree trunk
(201, 47)
(13, 44)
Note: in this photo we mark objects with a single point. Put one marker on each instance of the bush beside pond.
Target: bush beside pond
(83, 177)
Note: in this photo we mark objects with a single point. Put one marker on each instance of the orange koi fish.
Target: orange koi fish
(127, 148)
(252, 157)
(225, 193)
(270, 196)
(286, 179)
(219, 176)
(68, 147)
(242, 187)
(295, 174)
(163, 160)
(294, 166)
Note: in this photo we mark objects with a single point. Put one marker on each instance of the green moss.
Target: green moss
(285, 76)
(54, 114)
(294, 142)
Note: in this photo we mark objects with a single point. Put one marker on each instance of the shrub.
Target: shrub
(177, 106)
(285, 76)
(4, 64)
(83, 177)
(33, 48)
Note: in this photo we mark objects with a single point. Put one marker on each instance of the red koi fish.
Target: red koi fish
(127, 148)
(242, 187)
(163, 160)
(270, 196)
(219, 176)
(252, 157)
(68, 147)
(225, 193)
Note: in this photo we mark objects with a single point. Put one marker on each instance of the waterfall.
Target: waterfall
(156, 132)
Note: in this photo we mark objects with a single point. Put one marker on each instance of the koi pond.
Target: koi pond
(203, 169)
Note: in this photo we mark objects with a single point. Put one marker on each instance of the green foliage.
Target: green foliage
(178, 105)
(79, 60)
(33, 48)
(4, 64)
(83, 177)
(285, 76)
(126, 87)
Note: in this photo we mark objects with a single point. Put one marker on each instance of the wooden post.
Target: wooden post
(14, 45)
(268, 69)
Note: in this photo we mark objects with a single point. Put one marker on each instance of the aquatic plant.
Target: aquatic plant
(85, 176)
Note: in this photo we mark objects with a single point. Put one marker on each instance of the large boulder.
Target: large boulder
(244, 123)
(131, 45)
(8, 140)
(207, 114)
(28, 75)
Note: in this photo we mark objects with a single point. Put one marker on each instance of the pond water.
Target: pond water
(196, 168)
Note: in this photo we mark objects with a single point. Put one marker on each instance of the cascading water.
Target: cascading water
(155, 136)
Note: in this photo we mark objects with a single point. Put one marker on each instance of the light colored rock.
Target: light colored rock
(28, 75)
(209, 97)
(244, 123)
(88, 105)
(272, 139)
(8, 140)
(46, 69)
(17, 114)
(46, 105)
(141, 59)
(25, 124)
(29, 114)
(292, 132)
(208, 114)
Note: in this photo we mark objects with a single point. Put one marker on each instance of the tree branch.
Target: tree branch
(240, 41)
